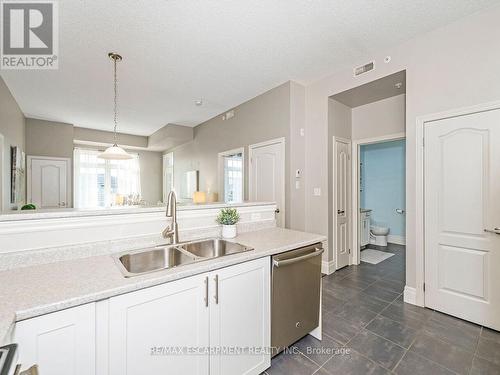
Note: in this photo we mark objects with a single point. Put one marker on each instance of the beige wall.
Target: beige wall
(49, 138)
(151, 175)
(12, 128)
(379, 118)
(296, 194)
(268, 116)
(445, 69)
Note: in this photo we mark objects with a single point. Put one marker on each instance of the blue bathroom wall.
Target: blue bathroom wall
(383, 183)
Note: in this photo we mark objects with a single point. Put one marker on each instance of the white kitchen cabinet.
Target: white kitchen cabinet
(196, 325)
(240, 318)
(226, 309)
(145, 325)
(60, 343)
(365, 228)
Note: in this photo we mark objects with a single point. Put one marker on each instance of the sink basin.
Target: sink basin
(213, 248)
(163, 257)
(150, 260)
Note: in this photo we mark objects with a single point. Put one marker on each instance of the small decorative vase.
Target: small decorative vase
(229, 231)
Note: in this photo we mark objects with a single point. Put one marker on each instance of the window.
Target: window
(105, 183)
(232, 174)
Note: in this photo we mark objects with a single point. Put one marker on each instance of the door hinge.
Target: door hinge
(424, 287)
(349, 251)
(423, 142)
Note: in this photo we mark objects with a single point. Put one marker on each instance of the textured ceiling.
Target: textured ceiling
(223, 51)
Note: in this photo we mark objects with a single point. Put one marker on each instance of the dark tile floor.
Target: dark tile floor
(368, 329)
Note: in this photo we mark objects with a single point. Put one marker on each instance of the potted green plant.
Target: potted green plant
(228, 217)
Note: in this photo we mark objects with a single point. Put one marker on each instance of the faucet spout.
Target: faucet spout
(171, 232)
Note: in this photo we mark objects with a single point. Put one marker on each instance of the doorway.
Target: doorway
(267, 175)
(461, 214)
(380, 200)
(342, 201)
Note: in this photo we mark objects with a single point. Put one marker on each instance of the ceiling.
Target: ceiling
(223, 51)
(383, 88)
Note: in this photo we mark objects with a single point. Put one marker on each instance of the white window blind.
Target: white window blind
(98, 182)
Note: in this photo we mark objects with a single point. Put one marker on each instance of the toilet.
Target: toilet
(378, 235)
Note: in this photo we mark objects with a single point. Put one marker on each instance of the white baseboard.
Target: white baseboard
(410, 295)
(327, 267)
(398, 240)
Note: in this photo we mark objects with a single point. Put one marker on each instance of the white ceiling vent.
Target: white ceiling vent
(364, 68)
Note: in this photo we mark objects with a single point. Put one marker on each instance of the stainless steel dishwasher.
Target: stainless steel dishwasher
(296, 280)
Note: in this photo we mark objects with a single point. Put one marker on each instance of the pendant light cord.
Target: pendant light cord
(115, 100)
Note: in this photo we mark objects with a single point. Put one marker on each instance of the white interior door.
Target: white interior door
(267, 175)
(342, 178)
(462, 210)
(48, 183)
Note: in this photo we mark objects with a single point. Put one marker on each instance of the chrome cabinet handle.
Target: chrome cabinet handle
(206, 291)
(495, 230)
(280, 263)
(216, 297)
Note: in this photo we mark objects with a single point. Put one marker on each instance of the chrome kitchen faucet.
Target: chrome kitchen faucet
(172, 231)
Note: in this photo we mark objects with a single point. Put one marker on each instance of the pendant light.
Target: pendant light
(115, 152)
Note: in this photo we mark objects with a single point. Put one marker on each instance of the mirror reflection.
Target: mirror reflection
(93, 157)
(60, 168)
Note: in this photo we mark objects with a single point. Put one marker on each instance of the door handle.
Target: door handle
(280, 263)
(216, 297)
(277, 211)
(495, 230)
(206, 291)
(340, 212)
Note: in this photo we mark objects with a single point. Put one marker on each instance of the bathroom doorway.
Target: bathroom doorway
(380, 180)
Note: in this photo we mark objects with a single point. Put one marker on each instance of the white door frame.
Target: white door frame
(69, 174)
(356, 145)
(334, 199)
(417, 295)
(282, 143)
(220, 169)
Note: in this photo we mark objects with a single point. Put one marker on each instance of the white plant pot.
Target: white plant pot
(229, 231)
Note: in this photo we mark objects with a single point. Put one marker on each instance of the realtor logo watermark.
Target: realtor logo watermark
(30, 34)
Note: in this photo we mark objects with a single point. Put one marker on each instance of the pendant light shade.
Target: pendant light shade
(115, 152)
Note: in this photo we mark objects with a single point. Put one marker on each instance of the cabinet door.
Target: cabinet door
(151, 330)
(61, 343)
(240, 318)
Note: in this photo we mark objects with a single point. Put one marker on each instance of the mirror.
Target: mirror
(56, 166)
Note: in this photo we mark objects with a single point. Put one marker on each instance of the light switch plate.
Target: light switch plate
(317, 191)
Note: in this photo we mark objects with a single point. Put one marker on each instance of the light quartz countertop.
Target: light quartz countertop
(36, 290)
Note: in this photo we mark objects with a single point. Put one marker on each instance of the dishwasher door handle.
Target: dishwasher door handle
(281, 263)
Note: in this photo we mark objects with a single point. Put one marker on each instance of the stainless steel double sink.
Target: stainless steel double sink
(139, 262)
